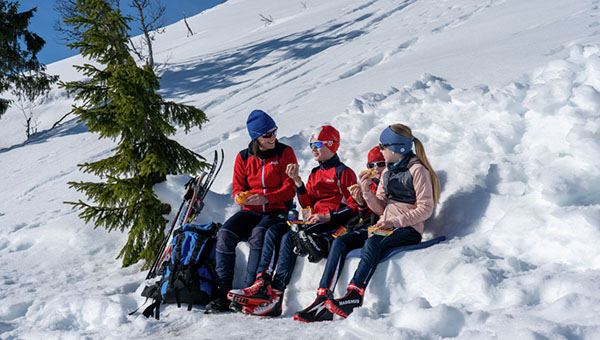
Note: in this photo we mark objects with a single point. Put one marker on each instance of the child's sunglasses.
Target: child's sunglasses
(371, 165)
(318, 145)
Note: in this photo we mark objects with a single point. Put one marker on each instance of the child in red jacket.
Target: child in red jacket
(265, 193)
(354, 237)
(326, 192)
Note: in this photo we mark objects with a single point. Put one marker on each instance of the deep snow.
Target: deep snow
(504, 95)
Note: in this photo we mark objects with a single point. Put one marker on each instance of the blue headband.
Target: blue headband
(395, 142)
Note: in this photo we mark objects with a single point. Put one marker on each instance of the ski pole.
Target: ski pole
(165, 252)
(151, 272)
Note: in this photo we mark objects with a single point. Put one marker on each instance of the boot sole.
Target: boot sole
(246, 301)
(267, 314)
(301, 319)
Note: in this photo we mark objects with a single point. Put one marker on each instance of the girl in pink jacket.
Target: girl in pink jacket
(405, 198)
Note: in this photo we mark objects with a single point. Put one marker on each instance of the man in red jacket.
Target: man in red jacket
(265, 193)
(326, 192)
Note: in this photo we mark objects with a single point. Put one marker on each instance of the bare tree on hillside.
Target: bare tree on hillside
(149, 19)
(267, 20)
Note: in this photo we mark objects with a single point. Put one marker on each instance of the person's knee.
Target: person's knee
(257, 238)
(371, 246)
(338, 245)
(227, 241)
(287, 239)
(270, 236)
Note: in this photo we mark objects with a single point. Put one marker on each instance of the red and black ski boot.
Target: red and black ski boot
(345, 305)
(259, 292)
(271, 309)
(316, 311)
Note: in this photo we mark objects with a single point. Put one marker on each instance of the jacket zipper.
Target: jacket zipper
(262, 176)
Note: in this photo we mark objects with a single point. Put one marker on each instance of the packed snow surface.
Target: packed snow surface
(504, 94)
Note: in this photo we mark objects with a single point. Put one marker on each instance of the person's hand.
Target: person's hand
(381, 226)
(238, 199)
(385, 225)
(356, 193)
(319, 218)
(292, 171)
(365, 181)
(256, 199)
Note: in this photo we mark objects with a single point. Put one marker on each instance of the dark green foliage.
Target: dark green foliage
(20, 70)
(120, 102)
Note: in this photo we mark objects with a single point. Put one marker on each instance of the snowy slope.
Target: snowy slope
(504, 95)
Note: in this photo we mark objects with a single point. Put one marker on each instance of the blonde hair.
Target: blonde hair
(405, 131)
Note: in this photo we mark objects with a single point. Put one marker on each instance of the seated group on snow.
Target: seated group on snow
(385, 209)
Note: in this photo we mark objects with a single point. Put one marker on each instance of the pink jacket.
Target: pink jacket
(403, 214)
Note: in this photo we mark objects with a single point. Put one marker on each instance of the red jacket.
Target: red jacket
(266, 175)
(326, 191)
(364, 211)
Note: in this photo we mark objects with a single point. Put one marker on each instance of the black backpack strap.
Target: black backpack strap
(151, 292)
(175, 259)
(154, 307)
(200, 241)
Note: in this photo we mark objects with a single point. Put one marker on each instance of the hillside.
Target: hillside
(505, 95)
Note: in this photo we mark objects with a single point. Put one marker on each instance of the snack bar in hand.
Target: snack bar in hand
(372, 173)
(353, 186)
(376, 231)
(306, 212)
(241, 197)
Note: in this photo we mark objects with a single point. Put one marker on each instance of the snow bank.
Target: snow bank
(520, 173)
(519, 167)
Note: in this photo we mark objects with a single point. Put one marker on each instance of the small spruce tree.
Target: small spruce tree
(119, 100)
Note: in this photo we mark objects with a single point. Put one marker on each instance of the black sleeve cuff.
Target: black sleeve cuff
(301, 190)
(341, 216)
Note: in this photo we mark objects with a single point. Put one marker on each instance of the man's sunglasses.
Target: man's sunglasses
(371, 165)
(270, 134)
(318, 145)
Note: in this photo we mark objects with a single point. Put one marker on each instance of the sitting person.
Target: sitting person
(405, 198)
(265, 193)
(326, 192)
(353, 236)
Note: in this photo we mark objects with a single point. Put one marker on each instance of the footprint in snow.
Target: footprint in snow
(22, 246)
(16, 310)
(6, 327)
(19, 227)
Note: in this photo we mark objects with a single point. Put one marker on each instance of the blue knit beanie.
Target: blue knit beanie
(259, 123)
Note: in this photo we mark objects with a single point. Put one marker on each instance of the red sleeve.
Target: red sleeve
(240, 182)
(348, 179)
(305, 196)
(288, 188)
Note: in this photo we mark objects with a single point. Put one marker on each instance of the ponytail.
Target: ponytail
(405, 131)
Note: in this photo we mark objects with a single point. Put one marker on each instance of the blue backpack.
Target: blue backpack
(189, 275)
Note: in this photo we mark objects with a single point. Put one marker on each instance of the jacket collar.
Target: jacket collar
(402, 165)
(331, 162)
(265, 154)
